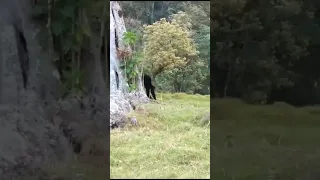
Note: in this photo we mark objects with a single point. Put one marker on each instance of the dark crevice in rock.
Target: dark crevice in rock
(117, 79)
(23, 56)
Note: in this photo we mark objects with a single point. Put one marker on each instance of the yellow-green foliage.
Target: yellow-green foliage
(166, 45)
(183, 19)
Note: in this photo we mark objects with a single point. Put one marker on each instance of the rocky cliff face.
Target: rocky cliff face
(121, 101)
(28, 139)
(36, 129)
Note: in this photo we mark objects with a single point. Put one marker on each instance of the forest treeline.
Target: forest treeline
(171, 43)
(266, 50)
(74, 33)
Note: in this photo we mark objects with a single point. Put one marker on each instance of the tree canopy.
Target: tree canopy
(266, 50)
(167, 46)
(175, 42)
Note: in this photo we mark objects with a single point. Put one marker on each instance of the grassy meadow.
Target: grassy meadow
(171, 140)
(265, 142)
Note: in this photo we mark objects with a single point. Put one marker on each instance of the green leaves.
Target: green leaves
(68, 11)
(39, 10)
(70, 29)
(57, 28)
(129, 65)
(260, 44)
(85, 29)
(129, 38)
(251, 51)
(74, 80)
(180, 39)
(166, 46)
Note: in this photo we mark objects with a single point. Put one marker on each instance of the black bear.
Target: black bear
(149, 87)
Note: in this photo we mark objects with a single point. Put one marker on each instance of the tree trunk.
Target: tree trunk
(152, 13)
(227, 82)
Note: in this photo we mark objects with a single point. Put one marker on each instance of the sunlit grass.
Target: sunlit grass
(168, 142)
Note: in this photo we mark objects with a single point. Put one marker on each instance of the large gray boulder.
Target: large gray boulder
(121, 101)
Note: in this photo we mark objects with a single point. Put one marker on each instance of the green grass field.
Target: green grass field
(271, 142)
(171, 140)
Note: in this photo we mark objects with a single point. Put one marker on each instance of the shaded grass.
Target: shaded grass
(84, 166)
(91, 163)
(265, 141)
(168, 142)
